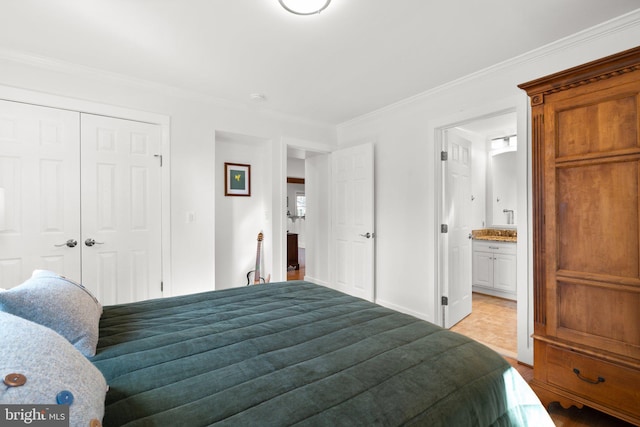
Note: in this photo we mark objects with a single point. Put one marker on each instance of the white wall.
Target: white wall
(318, 219)
(502, 173)
(406, 239)
(239, 219)
(194, 122)
(479, 182)
(295, 168)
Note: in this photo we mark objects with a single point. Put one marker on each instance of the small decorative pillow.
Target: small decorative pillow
(57, 303)
(39, 367)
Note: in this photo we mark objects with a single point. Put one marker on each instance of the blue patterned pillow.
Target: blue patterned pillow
(57, 303)
(50, 369)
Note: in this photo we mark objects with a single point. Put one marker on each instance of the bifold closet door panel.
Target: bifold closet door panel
(39, 173)
(121, 208)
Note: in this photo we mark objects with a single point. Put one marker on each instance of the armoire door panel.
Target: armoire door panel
(598, 127)
(597, 218)
(39, 170)
(616, 330)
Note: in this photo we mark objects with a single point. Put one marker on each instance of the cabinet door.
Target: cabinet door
(483, 269)
(504, 272)
(592, 228)
(39, 173)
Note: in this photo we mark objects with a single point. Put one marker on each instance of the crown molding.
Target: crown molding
(615, 25)
(73, 69)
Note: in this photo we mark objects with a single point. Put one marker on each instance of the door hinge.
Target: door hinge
(444, 228)
(444, 156)
(161, 286)
(160, 157)
(444, 300)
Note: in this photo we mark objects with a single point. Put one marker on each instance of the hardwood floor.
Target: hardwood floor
(298, 274)
(493, 322)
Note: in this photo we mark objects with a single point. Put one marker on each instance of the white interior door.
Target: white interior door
(457, 213)
(121, 208)
(353, 220)
(39, 170)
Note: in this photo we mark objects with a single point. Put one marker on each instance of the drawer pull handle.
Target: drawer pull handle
(585, 379)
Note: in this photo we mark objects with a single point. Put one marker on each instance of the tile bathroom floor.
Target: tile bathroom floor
(493, 323)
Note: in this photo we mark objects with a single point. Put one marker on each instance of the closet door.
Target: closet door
(39, 170)
(121, 209)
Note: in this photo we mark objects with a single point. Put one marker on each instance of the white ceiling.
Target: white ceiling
(355, 57)
(493, 127)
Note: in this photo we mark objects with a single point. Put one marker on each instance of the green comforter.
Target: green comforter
(296, 353)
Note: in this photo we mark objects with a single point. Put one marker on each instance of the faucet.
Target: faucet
(509, 213)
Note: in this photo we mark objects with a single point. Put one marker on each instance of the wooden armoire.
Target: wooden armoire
(586, 235)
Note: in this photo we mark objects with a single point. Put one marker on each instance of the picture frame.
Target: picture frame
(237, 179)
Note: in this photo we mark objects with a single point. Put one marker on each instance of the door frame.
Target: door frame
(56, 101)
(280, 198)
(436, 128)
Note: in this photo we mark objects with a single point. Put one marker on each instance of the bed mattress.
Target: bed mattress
(296, 353)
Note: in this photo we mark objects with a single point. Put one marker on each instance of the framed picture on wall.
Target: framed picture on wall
(237, 179)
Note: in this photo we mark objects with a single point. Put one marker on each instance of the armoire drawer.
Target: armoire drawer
(594, 379)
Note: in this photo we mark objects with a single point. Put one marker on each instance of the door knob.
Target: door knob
(367, 235)
(91, 242)
(70, 243)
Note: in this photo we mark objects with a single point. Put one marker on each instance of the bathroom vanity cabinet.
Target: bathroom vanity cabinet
(494, 268)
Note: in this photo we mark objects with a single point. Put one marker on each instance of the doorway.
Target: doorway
(296, 214)
(484, 312)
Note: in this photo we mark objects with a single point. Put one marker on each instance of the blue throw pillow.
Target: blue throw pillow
(57, 303)
(39, 367)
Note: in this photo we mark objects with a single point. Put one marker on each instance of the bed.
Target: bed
(278, 354)
(296, 353)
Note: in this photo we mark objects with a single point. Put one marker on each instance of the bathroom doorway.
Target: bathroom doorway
(487, 205)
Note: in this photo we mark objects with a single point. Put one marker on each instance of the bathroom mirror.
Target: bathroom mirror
(503, 197)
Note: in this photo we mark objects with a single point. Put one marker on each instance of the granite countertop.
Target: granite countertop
(495, 234)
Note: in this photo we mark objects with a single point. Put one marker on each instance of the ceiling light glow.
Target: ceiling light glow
(305, 7)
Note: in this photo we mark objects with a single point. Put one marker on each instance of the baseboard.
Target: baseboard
(312, 279)
(404, 310)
